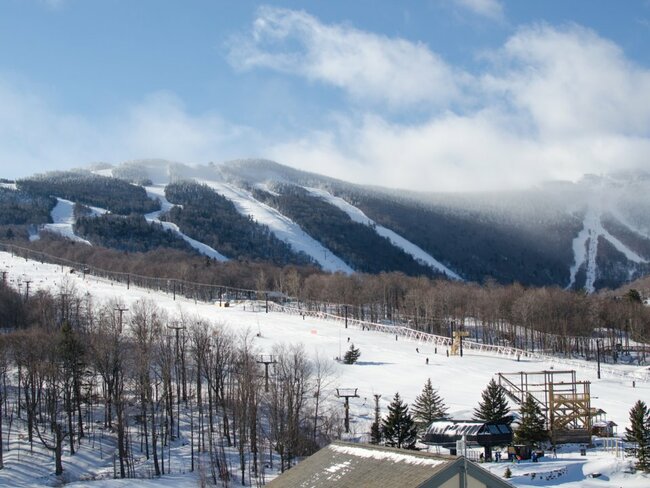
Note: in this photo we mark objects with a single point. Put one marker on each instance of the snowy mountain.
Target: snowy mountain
(591, 234)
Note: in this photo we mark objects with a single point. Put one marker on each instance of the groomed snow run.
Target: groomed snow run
(585, 248)
(397, 240)
(157, 192)
(282, 227)
(63, 221)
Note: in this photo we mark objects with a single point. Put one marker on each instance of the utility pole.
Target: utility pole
(121, 311)
(347, 393)
(598, 355)
(63, 307)
(4, 277)
(266, 360)
(178, 329)
(27, 283)
(346, 315)
(266, 299)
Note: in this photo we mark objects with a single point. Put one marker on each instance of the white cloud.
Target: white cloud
(555, 102)
(491, 9)
(369, 67)
(573, 82)
(35, 137)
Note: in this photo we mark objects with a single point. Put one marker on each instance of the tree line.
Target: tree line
(115, 195)
(150, 381)
(132, 233)
(546, 319)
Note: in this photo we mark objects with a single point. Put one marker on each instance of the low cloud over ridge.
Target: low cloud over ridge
(553, 102)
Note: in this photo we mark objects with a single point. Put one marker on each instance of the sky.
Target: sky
(430, 95)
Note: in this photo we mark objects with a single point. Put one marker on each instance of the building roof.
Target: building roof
(366, 466)
(459, 428)
(485, 433)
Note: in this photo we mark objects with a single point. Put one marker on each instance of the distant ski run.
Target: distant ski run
(157, 192)
(282, 227)
(63, 221)
(357, 215)
(585, 249)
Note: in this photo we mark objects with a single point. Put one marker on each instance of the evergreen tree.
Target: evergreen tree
(375, 428)
(428, 406)
(639, 434)
(352, 355)
(634, 296)
(531, 430)
(494, 405)
(398, 428)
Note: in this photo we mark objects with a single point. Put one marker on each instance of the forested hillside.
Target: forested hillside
(112, 194)
(357, 244)
(212, 219)
(543, 236)
(132, 233)
(19, 207)
(476, 245)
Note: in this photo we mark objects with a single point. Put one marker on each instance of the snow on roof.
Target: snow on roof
(382, 455)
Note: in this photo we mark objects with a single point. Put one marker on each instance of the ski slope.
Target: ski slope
(157, 192)
(386, 366)
(63, 221)
(282, 227)
(397, 240)
(585, 248)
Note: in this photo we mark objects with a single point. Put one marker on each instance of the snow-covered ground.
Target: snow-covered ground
(157, 192)
(397, 240)
(386, 366)
(108, 172)
(284, 228)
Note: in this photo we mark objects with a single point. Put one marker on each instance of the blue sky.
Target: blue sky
(432, 95)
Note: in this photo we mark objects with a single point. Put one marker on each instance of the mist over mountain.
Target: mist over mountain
(591, 234)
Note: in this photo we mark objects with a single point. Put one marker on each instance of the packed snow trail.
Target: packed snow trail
(157, 192)
(63, 221)
(282, 227)
(585, 248)
(397, 240)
